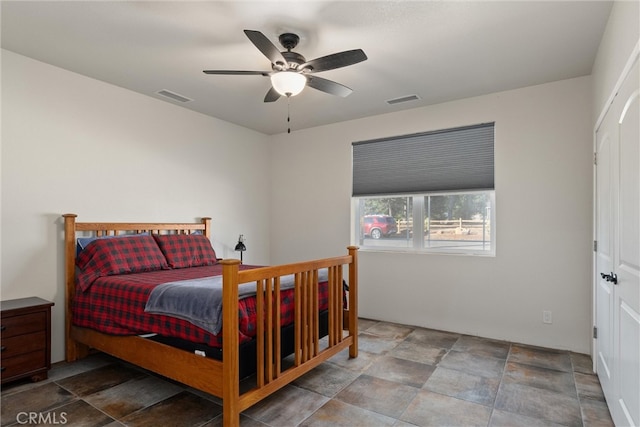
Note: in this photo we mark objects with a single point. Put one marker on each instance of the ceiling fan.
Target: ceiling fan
(291, 72)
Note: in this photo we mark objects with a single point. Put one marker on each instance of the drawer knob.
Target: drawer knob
(2, 369)
(2, 328)
(3, 348)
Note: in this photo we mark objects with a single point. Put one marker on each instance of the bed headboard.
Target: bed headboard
(72, 228)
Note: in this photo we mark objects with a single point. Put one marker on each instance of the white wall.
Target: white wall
(73, 144)
(543, 210)
(621, 36)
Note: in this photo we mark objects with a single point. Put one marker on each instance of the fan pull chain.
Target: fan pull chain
(288, 113)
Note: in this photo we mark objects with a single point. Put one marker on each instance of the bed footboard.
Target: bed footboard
(308, 351)
(222, 378)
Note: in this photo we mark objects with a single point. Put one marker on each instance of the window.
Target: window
(429, 192)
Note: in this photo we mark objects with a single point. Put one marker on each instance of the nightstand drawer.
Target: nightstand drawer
(26, 363)
(23, 324)
(23, 344)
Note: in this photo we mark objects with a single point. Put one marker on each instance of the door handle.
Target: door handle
(610, 277)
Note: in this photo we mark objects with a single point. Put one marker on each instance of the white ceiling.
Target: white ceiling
(438, 50)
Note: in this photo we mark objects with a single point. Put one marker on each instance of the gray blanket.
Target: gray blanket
(199, 301)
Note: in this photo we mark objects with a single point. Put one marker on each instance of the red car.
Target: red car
(377, 226)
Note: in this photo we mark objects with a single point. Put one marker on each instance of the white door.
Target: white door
(618, 253)
(627, 253)
(604, 253)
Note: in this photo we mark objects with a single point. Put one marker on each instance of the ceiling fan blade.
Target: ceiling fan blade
(328, 86)
(237, 73)
(272, 95)
(336, 60)
(265, 46)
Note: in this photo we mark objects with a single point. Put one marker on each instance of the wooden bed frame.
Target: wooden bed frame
(221, 378)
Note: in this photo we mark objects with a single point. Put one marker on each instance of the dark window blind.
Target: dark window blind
(458, 159)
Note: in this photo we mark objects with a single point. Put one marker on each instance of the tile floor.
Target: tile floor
(404, 376)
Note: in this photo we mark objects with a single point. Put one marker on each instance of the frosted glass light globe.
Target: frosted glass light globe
(288, 83)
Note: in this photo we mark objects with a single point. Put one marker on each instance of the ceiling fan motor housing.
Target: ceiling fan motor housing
(293, 59)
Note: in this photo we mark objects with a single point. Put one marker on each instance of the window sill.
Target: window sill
(425, 251)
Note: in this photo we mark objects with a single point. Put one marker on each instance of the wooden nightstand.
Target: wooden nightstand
(26, 339)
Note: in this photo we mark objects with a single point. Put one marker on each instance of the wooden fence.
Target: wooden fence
(459, 227)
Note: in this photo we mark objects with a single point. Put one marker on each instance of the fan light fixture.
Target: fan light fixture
(288, 83)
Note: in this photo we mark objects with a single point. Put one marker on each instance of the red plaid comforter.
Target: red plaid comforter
(115, 305)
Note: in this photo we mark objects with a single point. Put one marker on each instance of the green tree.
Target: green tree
(455, 206)
(397, 207)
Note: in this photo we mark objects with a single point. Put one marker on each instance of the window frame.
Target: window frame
(457, 160)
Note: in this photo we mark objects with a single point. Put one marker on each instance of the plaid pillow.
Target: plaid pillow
(186, 250)
(119, 255)
(82, 242)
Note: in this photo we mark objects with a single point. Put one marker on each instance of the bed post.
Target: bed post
(207, 227)
(230, 343)
(74, 350)
(353, 300)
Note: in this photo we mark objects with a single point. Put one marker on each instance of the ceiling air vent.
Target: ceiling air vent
(174, 96)
(403, 99)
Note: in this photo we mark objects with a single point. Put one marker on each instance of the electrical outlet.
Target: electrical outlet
(546, 316)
